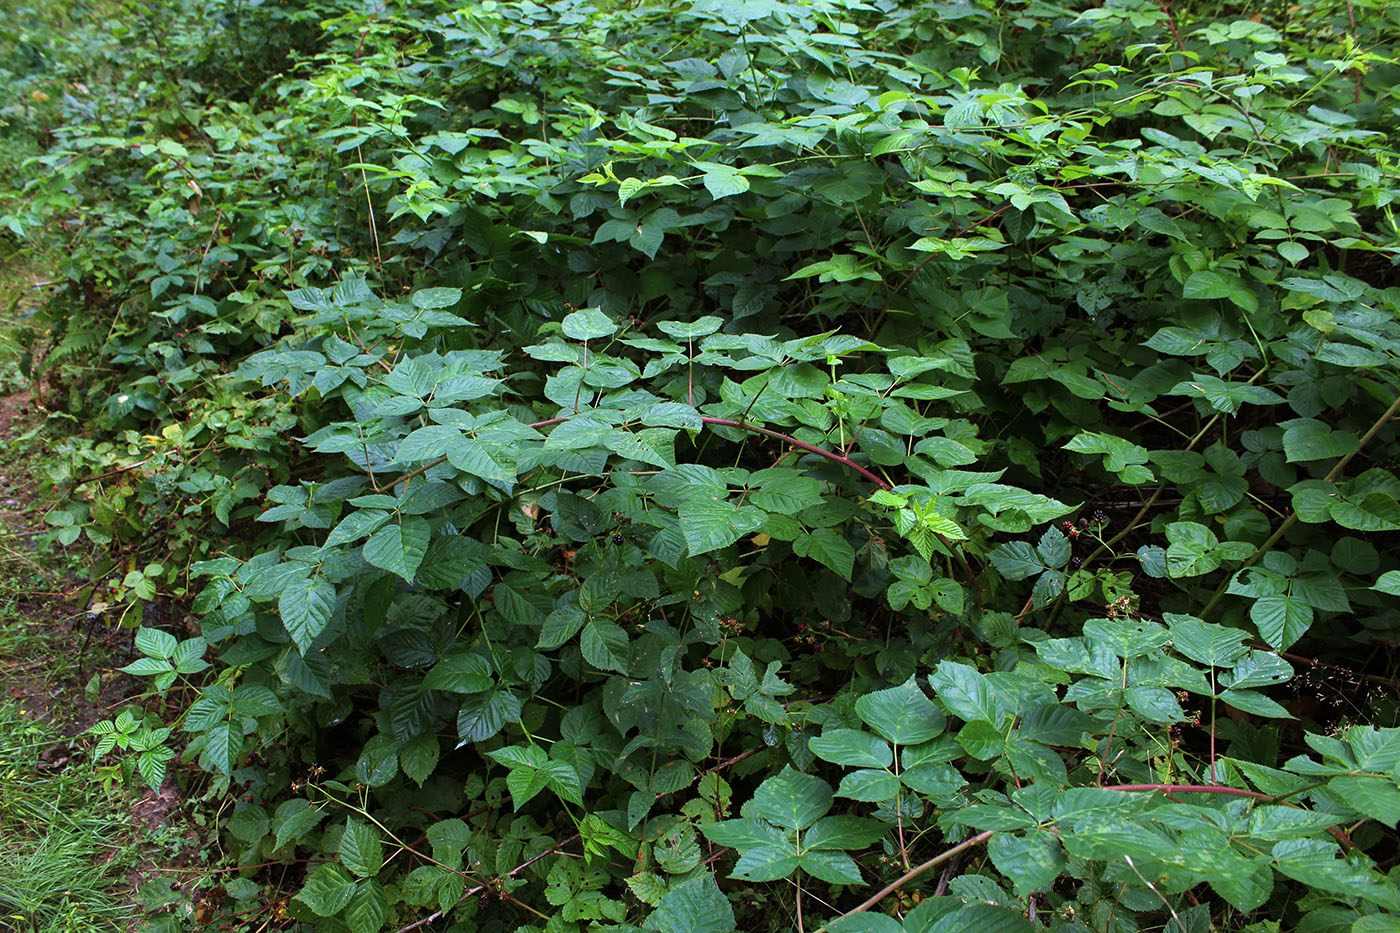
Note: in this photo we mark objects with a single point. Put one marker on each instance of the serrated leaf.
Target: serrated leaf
(1308, 439)
(604, 645)
(1016, 560)
(588, 324)
(154, 643)
(1206, 642)
(1032, 861)
(360, 849)
(792, 799)
(831, 867)
(293, 819)
(830, 547)
(902, 714)
(427, 443)
(399, 547)
(965, 692)
(852, 748)
(1054, 548)
(419, 757)
(695, 905)
(368, 909)
(843, 832)
(709, 524)
(1281, 620)
(869, 784)
(483, 715)
(460, 672)
(328, 891)
(306, 608)
(435, 298)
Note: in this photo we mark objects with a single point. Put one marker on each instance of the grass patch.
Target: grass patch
(67, 848)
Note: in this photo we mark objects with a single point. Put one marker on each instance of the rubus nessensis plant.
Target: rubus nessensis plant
(750, 464)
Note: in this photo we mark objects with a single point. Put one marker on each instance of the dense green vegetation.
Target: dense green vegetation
(696, 465)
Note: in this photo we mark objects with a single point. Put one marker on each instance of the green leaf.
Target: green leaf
(154, 643)
(482, 715)
(1258, 669)
(983, 918)
(461, 672)
(471, 456)
(1253, 702)
(399, 547)
(831, 867)
(588, 324)
(293, 819)
(419, 757)
(965, 692)
(866, 922)
(1206, 642)
(1207, 283)
(1281, 620)
(1246, 890)
(1376, 796)
(843, 832)
(852, 748)
(744, 834)
(1054, 548)
(902, 714)
(368, 909)
(691, 330)
(426, 443)
(766, 863)
(869, 784)
(146, 667)
(722, 181)
(695, 905)
(306, 607)
(604, 645)
(830, 547)
(360, 848)
(1122, 457)
(1016, 560)
(1192, 551)
(561, 625)
(1032, 861)
(1388, 583)
(709, 524)
(434, 298)
(792, 799)
(1307, 439)
(328, 891)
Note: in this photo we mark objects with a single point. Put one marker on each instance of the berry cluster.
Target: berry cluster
(1073, 529)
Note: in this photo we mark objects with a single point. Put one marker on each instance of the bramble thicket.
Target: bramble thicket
(709, 465)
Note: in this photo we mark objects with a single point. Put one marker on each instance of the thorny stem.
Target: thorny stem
(1171, 24)
(913, 873)
(1170, 789)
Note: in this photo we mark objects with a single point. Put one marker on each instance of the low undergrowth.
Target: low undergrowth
(743, 464)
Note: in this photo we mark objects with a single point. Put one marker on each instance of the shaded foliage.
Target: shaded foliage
(614, 448)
